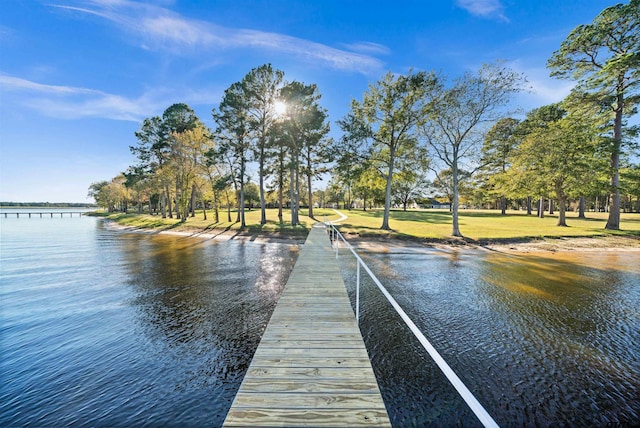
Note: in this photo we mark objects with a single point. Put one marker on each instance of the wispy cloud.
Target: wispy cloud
(368, 48)
(492, 9)
(543, 89)
(69, 102)
(5, 32)
(158, 28)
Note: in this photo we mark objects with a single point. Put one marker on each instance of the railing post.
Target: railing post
(358, 291)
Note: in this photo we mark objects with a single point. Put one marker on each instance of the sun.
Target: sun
(280, 108)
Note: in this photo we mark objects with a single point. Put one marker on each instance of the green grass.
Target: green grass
(430, 225)
(484, 225)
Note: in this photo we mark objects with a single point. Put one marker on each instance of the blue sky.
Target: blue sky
(77, 77)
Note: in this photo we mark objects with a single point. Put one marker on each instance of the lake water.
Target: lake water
(541, 340)
(104, 328)
(100, 327)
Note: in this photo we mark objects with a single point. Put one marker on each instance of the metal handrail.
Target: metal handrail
(483, 416)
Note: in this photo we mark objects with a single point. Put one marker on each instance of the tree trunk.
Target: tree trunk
(280, 194)
(204, 209)
(297, 199)
(528, 205)
(562, 219)
(226, 192)
(216, 207)
(581, 206)
(194, 192)
(503, 204)
(387, 195)
(169, 208)
(613, 222)
(541, 207)
(241, 206)
(454, 205)
(292, 192)
(280, 203)
(550, 206)
(263, 213)
(309, 179)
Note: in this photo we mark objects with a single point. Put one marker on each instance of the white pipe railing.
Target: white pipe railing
(475, 406)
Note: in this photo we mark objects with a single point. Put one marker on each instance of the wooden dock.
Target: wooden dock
(43, 213)
(311, 367)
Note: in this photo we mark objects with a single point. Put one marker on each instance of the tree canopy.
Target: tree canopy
(604, 58)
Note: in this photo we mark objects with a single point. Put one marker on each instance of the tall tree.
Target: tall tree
(278, 165)
(232, 133)
(498, 146)
(557, 154)
(314, 126)
(261, 86)
(459, 119)
(151, 153)
(187, 158)
(604, 57)
(154, 143)
(389, 116)
(351, 153)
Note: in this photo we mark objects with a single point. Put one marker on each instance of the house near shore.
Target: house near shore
(435, 204)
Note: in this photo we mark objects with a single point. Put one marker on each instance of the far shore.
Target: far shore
(384, 244)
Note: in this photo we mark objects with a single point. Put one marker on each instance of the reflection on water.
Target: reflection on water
(540, 340)
(113, 329)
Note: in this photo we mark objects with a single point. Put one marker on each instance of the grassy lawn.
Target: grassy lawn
(476, 225)
(483, 225)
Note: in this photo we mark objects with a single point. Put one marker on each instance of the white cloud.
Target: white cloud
(484, 8)
(368, 48)
(11, 83)
(543, 89)
(158, 28)
(68, 102)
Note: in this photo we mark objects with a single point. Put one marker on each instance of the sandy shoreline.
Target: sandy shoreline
(389, 245)
(548, 245)
(218, 235)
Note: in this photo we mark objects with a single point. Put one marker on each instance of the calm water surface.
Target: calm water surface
(540, 340)
(103, 328)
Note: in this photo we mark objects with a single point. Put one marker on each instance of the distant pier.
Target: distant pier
(43, 214)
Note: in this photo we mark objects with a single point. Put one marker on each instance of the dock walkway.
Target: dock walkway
(311, 367)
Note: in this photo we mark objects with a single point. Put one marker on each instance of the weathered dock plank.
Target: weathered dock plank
(311, 367)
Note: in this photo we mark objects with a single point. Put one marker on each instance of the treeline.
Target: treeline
(181, 163)
(578, 151)
(406, 129)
